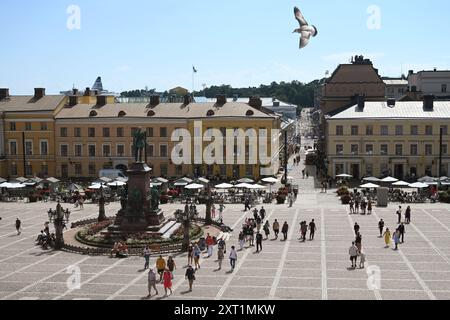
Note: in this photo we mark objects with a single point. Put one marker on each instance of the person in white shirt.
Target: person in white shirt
(233, 257)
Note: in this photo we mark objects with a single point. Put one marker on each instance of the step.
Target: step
(168, 233)
(167, 226)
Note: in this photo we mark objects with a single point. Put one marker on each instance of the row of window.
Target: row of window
(384, 130)
(28, 126)
(107, 152)
(29, 170)
(106, 132)
(413, 149)
(43, 148)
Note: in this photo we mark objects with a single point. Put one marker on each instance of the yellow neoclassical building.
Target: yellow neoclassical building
(27, 136)
(97, 133)
(401, 139)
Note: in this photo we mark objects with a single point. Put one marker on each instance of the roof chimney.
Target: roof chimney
(101, 101)
(428, 102)
(73, 101)
(4, 93)
(39, 93)
(361, 100)
(221, 99)
(87, 92)
(391, 102)
(154, 100)
(75, 92)
(255, 102)
(187, 99)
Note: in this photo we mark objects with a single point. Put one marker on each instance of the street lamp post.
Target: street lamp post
(186, 228)
(101, 206)
(59, 217)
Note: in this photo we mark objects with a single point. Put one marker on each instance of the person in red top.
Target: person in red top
(209, 245)
(167, 281)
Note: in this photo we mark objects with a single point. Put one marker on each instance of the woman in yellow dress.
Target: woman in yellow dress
(387, 237)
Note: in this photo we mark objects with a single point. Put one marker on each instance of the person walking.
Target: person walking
(221, 208)
(284, 230)
(209, 245)
(358, 242)
(356, 228)
(220, 257)
(171, 264)
(247, 204)
(387, 238)
(197, 253)
(262, 213)
(351, 205)
(362, 259)
(190, 254)
(401, 230)
(151, 283)
(213, 211)
(399, 214)
(259, 239)
(168, 281)
(160, 266)
(353, 252)
(190, 276)
(276, 228)
(303, 230)
(369, 207)
(312, 229)
(381, 227)
(146, 253)
(408, 215)
(356, 205)
(396, 238)
(266, 229)
(241, 239)
(233, 258)
(307, 174)
(18, 226)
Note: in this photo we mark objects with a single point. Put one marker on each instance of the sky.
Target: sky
(137, 43)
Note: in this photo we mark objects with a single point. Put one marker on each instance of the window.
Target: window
(164, 169)
(249, 170)
(92, 169)
(120, 150)
(444, 130)
(13, 148)
(14, 169)
(106, 132)
(339, 130)
(78, 169)
(44, 126)
(78, 150)
(444, 149)
(64, 170)
(429, 130)
(120, 132)
(414, 130)
(163, 150)
(369, 169)
(223, 170)
(384, 149)
(44, 170)
(27, 126)
(106, 150)
(28, 170)
(28, 147)
(77, 132)
(163, 132)
(369, 149)
(44, 147)
(91, 132)
(444, 88)
(63, 132)
(64, 150)
(339, 149)
(398, 149)
(151, 150)
(384, 130)
(428, 149)
(150, 132)
(369, 130)
(12, 126)
(91, 150)
(354, 130)
(354, 149)
(413, 150)
(398, 130)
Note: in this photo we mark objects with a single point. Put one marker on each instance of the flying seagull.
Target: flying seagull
(305, 30)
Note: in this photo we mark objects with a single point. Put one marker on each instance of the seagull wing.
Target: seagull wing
(299, 16)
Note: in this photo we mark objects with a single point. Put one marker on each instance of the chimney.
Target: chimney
(87, 92)
(101, 101)
(39, 93)
(73, 101)
(391, 102)
(75, 92)
(410, 72)
(4, 93)
(95, 92)
(187, 99)
(428, 102)
(221, 99)
(154, 100)
(361, 102)
(255, 102)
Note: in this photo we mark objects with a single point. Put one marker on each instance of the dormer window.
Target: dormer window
(93, 113)
(122, 114)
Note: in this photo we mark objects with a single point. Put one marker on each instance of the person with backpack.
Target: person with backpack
(190, 276)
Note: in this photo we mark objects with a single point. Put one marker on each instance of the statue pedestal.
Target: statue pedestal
(137, 213)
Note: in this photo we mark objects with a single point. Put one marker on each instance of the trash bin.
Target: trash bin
(382, 197)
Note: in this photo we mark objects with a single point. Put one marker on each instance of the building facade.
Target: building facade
(432, 82)
(377, 139)
(395, 87)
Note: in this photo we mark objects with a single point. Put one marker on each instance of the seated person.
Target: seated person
(41, 237)
(115, 249)
(123, 250)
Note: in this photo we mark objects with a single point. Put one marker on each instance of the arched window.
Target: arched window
(93, 113)
(249, 113)
(122, 114)
(151, 113)
(210, 113)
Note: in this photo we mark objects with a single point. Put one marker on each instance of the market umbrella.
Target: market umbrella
(203, 180)
(2, 180)
(418, 185)
(105, 179)
(194, 186)
(245, 180)
(180, 184)
(389, 179)
(256, 186)
(400, 183)
(371, 179)
(243, 185)
(116, 184)
(13, 185)
(95, 186)
(21, 179)
(74, 187)
(369, 186)
(270, 180)
(344, 175)
(426, 179)
(224, 186)
(52, 180)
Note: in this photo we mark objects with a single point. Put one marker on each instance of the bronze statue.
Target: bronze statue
(139, 142)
